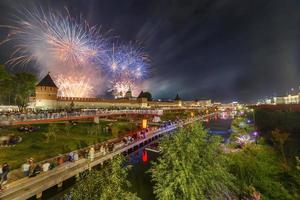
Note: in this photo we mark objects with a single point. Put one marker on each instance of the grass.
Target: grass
(169, 115)
(36, 146)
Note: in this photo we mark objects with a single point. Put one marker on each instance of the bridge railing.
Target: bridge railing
(59, 115)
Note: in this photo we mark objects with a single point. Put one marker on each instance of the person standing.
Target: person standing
(31, 166)
(76, 156)
(46, 166)
(37, 170)
(71, 156)
(1, 173)
(102, 150)
(26, 168)
(5, 171)
(91, 154)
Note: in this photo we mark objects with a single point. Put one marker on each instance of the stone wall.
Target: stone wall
(45, 92)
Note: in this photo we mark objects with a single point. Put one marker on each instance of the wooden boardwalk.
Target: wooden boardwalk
(28, 187)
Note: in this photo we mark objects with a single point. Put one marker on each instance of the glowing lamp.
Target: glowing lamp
(144, 123)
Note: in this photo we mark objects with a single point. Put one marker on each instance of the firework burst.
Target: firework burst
(75, 53)
(74, 86)
(128, 66)
(57, 43)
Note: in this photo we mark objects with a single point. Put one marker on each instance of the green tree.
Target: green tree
(108, 183)
(192, 167)
(257, 168)
(6, 86)
(24, 87)
(146, 95)
(279, 139)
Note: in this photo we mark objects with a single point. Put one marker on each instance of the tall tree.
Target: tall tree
(108, 183)
(6, 85)
(192, 166)
(146, 95)
(24, 87)
(257, 168)
(279, 138)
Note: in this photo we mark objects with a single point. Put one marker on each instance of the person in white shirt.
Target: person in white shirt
(25, 169)
(91, 154)
(76, 156)
(46, 166)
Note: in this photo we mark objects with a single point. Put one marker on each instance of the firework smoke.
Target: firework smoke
(75, 54)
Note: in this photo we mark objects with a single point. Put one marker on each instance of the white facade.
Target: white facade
(290, 99)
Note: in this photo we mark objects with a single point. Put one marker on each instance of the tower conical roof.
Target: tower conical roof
(47, 81)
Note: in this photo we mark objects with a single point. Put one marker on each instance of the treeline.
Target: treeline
(267, 120)
(16, 88)
(194, 165)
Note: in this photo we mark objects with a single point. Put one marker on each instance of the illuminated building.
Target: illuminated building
(289, 99)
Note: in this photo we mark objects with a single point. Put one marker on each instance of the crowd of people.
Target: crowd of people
(61, 113)
(32, 169)
(9, 140)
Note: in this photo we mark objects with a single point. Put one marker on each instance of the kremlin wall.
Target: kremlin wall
(46, 97)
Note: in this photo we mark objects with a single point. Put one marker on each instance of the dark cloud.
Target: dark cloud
(219, 49)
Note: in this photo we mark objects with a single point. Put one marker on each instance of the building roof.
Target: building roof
(47, 81)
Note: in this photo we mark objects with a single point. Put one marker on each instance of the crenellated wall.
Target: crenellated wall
(64, 102)
(47, 98)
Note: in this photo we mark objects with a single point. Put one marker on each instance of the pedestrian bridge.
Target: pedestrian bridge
(28, 187)
(42, 118)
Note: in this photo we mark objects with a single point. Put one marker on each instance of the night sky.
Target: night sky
(225, 50)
